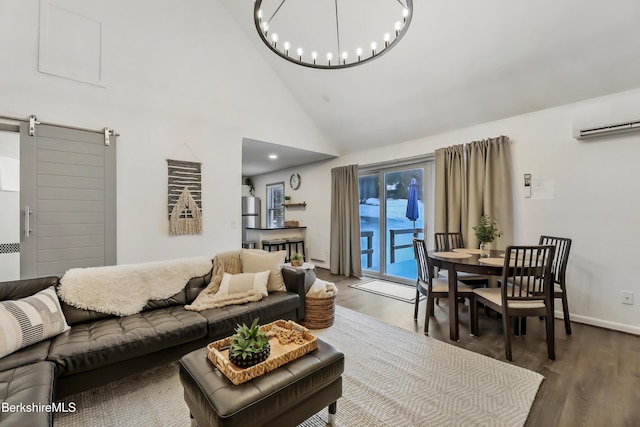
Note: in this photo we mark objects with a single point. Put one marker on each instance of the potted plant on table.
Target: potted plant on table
(249, 345)
(297, 259)
(486, 232)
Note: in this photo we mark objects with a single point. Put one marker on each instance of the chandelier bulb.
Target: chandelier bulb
(344, 57)
(359, 53)
(397, 27)
(386, 38)
(314, 56)
(286, 46)
(374, 45)
(329, 57)
(299, 52)
(260, 13)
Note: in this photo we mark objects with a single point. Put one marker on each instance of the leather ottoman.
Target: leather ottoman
(283, 397)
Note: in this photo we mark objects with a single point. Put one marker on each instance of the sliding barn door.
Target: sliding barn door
(68, 200)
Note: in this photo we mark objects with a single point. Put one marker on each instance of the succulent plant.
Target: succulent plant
(248, 341)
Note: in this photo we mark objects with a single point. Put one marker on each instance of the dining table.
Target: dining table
(467, 260)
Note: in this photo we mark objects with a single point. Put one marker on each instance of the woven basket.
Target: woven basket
(319, 312)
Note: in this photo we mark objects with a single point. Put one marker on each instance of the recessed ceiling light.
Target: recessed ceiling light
(273, 156)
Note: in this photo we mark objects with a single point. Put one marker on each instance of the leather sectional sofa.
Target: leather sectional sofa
(100, 348)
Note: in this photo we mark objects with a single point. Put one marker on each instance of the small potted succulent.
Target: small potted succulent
(249, 345)
(297, 259)
(486, 232)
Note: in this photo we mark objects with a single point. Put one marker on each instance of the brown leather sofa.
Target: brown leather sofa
(100, 348)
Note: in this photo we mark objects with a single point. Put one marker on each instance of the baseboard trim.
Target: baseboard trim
(630, 329)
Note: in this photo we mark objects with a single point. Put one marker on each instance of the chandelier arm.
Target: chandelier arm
(337, 31)
(274, 13)
(402, 4)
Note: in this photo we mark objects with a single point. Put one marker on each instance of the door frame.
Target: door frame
(427, 163)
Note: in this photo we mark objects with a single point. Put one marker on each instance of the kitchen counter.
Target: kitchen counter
(257, 235)
(275, 228)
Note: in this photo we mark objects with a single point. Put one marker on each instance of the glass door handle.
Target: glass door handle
(27, 221)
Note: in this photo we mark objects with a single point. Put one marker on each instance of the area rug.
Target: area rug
(389, 289)
(392, 377)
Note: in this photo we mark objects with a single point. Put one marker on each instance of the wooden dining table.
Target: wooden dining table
(469, 264)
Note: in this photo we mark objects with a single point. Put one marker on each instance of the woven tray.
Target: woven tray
(280, 353)
(319, 313)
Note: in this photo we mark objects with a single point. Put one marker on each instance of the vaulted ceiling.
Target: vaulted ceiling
(467, 62)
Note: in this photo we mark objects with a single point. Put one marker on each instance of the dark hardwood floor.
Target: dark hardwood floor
(594, 381)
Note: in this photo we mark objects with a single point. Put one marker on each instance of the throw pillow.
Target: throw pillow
(235, 283)
(257, 261)
(30, 320)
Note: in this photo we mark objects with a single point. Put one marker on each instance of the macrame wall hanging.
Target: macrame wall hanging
(185, 197)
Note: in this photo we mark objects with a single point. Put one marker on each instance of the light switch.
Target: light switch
(527, 185)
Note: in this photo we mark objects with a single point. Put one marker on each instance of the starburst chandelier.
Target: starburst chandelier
(329, 34)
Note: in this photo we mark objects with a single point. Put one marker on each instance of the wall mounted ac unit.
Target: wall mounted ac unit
(595, 131)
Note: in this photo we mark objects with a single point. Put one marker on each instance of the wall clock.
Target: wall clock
(294, 181)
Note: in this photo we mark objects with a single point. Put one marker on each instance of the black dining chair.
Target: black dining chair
(558, 277)
(453, 240)
(526, 291)
(429, 286)
(558, 273)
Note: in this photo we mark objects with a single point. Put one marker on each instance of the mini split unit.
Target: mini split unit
(595, 131)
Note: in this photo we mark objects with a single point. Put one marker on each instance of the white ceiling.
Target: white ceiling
(256, 160)
(467, 62)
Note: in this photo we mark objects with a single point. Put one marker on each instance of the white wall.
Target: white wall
(9, 205)
(181, 82)
(595, 201)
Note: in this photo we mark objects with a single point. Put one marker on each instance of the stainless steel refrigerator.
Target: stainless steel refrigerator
(250, 215)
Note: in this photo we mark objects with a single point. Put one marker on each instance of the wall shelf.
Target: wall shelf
(295, 205)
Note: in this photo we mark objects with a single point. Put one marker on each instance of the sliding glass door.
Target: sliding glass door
(392, 211)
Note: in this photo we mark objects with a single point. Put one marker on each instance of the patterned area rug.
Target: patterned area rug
(408, 380)
(389, 289)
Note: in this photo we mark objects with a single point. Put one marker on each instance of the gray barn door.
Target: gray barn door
(68, 200)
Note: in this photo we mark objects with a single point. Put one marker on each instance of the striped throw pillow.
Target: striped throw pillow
(30, 320)
(243, 282)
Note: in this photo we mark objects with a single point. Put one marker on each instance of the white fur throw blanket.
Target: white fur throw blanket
(125, 289)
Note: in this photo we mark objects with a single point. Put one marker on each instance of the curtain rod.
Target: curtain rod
(397, 162)
(26, 120)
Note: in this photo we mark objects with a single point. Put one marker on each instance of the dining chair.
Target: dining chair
(449, 241)
(527, 273)
(558, 272)
(432, 287)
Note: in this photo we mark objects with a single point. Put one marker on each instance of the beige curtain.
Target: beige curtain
(490, 188)
(451, 190)
(483, 186)
(345, 222)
